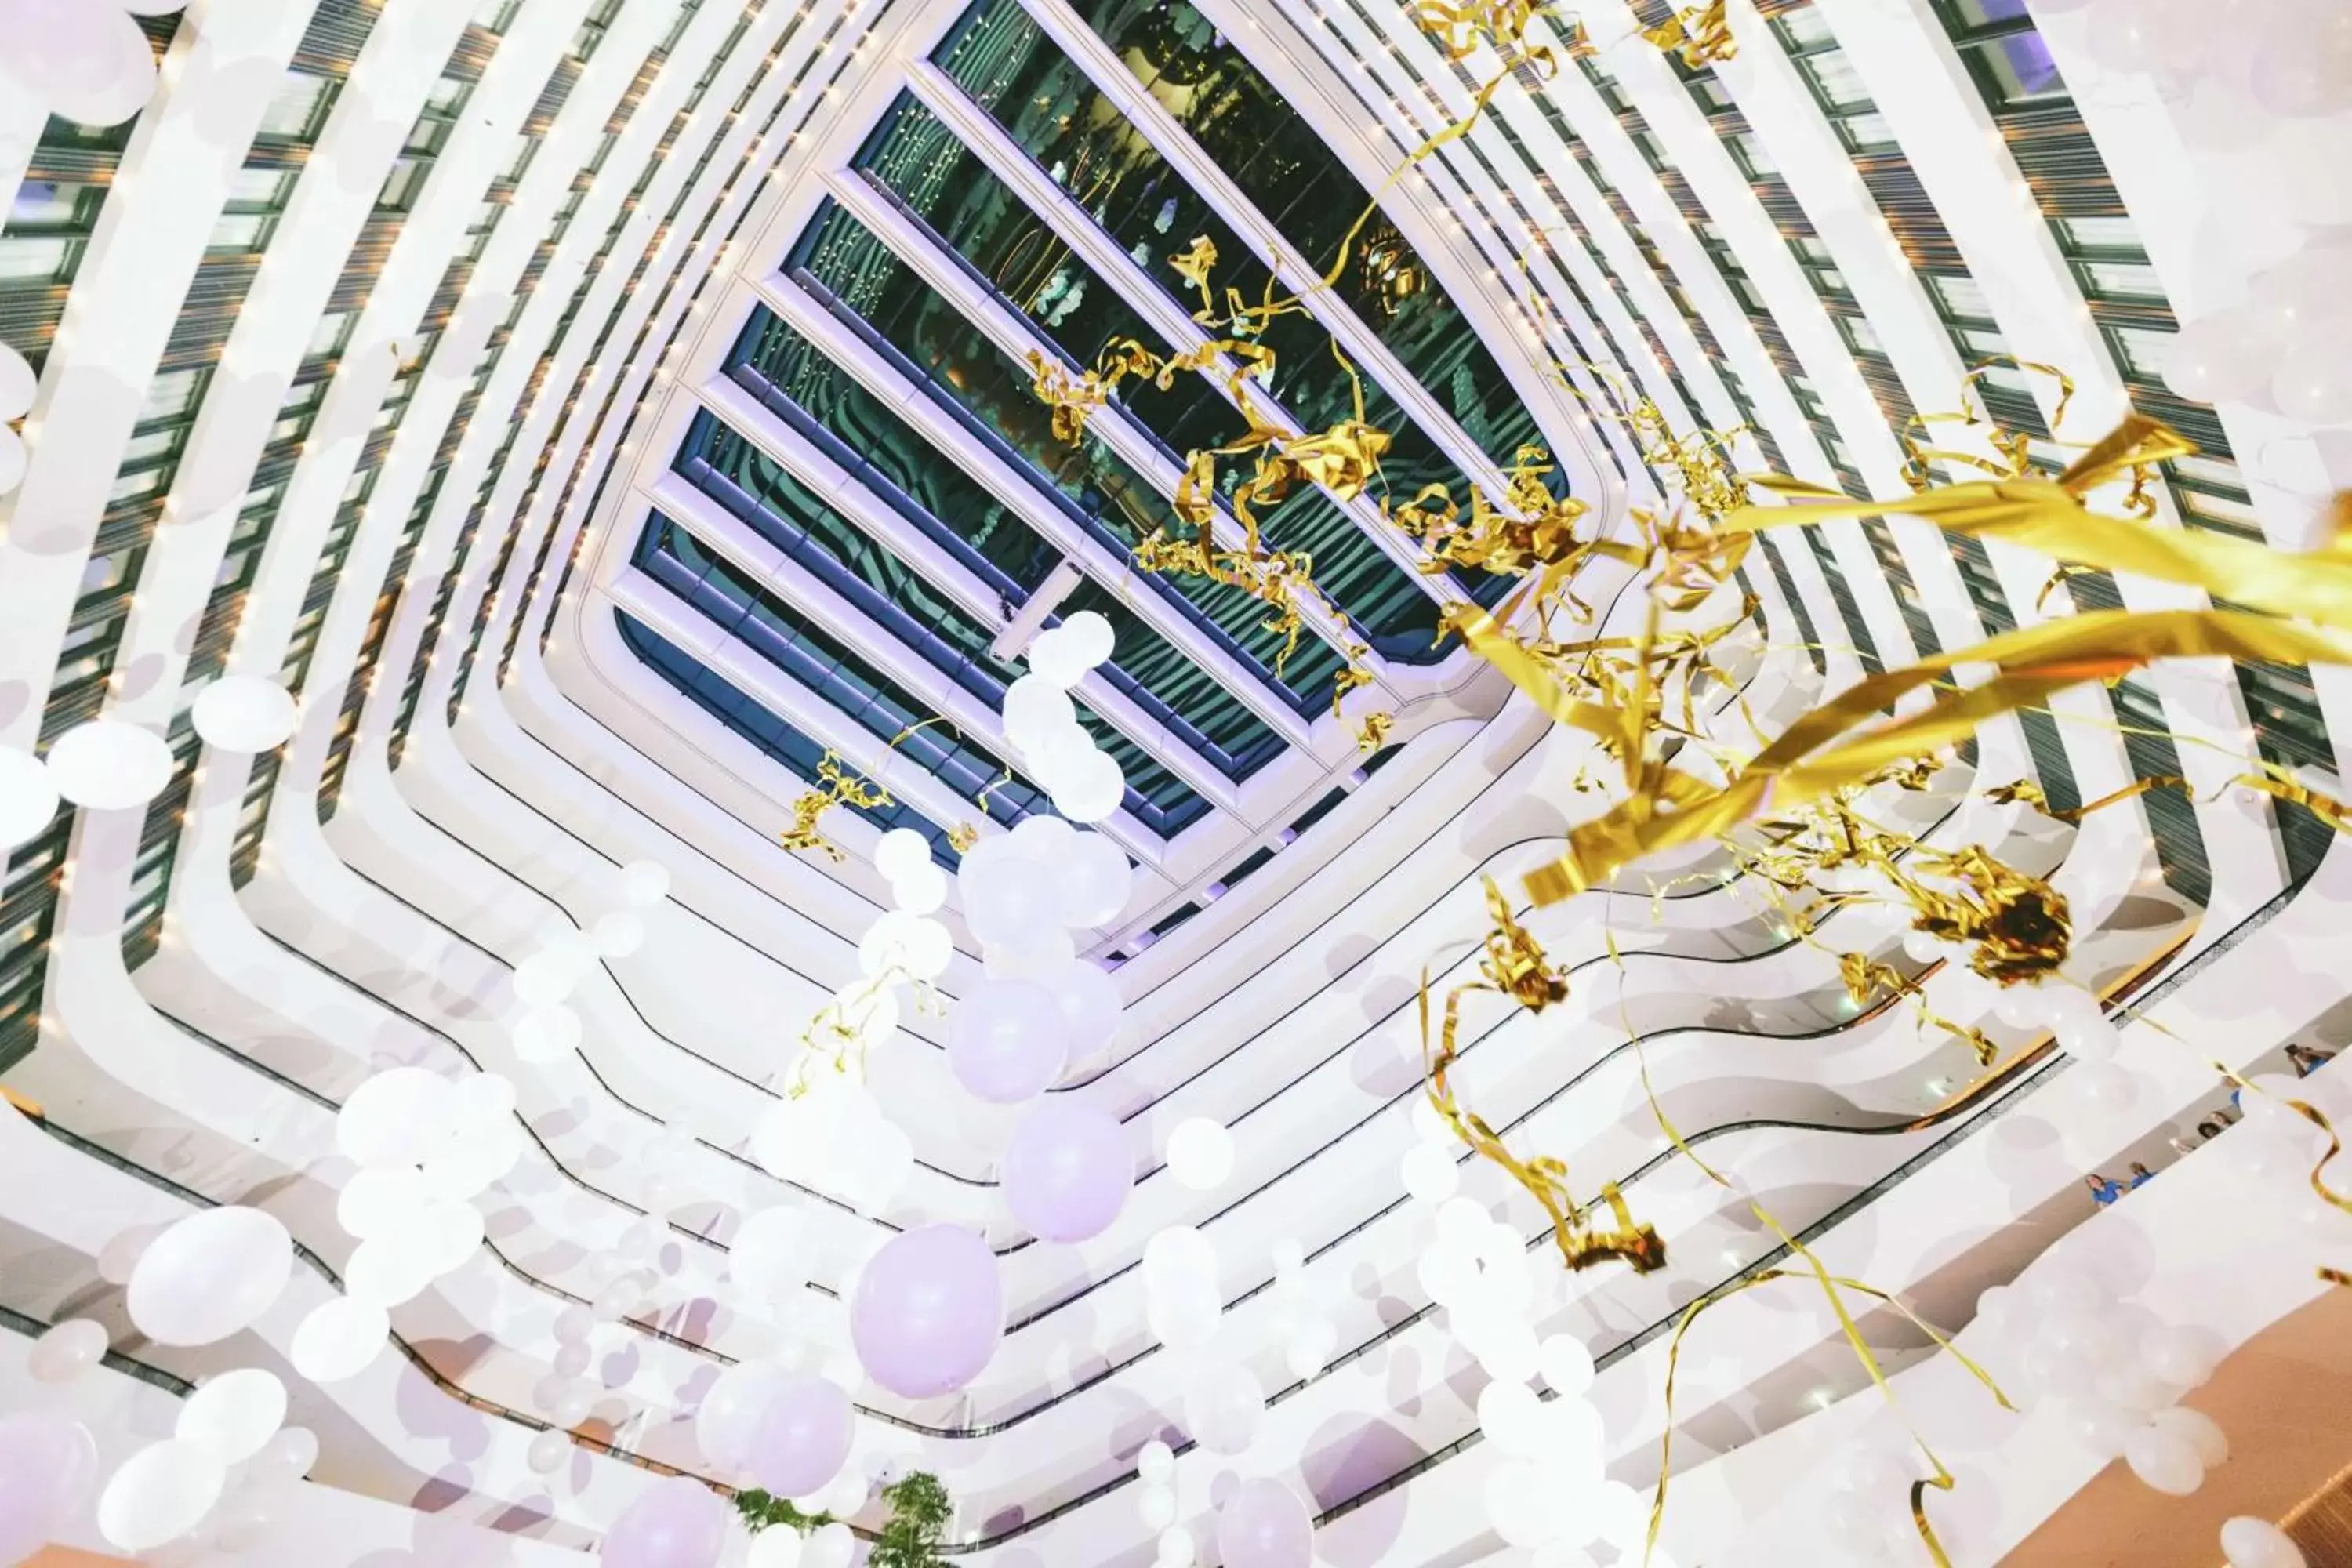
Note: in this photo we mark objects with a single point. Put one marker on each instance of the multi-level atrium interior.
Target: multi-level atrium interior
(742, 826)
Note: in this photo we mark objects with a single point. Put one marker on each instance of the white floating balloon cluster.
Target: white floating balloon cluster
(110, 764)
(1307, 1334)
(84, 60)
(425, 1148)
(545, 1028)
(1550, 1491)
(1041, 722)
(2117, 1372)
(216, 1483)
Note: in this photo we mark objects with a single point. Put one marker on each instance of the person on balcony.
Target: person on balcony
(2308, 1059)
(2105, 1190)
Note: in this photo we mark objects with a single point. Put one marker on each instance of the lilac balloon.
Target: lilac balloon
(48, 1464)
(927, 1311)
(1266, 1526)
(1090, 1006)
(1068, 1171)
(1007, 1040)
(677, 1522)
(803, 1439)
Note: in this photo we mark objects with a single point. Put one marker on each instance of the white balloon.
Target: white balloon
(1056, 657)
(244, 713)
(1034, 709)
(379, 1201)
(898, 940)
(546, 1034)
(549, 1450)
(235, 1414)
(398, 1117)
(921, 889)
(453, 1232)
(29, 797)
(1200, 1154)
(1183, 1314)
(286, 1457)
(18, 385)
(779, 1546)
(1448, 1272)
(1511, 1416)
(645, 882)
(2259, 1543)
(1155, 1462)
(728, 1422)
(91, 62)
(900, 852)
(1429, 1173)
(386, 1270)
(620, 933)
(1310, 1348)
(1156, 1507)
(1090, 638)
(2199, 1431)
(1565, 1365)
(770, 1258)
(1096, 881)
(545, 978)
(2089, 1037)
(1174, 1549)
(209, 1276)
(1224, 1407)
(1519, 1506)
(161, 1493)
(109, 765)
(66, 1350)
(883, 1157)
(2165, 1460)
(829, 1546)
(339, 1339)
(2180, 1356)
(1089, 788)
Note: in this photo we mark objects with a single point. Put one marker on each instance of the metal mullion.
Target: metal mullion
(1175, 144)
(1112, 424)
(728, 535)
(926, 418)
(1053, 207)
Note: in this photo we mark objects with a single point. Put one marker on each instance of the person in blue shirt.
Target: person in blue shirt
(2307, 1060)
(2140, 1174)
(2105, 1190)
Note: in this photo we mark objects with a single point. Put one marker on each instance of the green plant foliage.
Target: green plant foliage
(919, 1511)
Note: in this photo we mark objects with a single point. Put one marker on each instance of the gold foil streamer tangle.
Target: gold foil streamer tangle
(1514, 964)
(1700, 35)
(837, 786)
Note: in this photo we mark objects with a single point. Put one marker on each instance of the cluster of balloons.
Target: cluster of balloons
(1041, 724)
(1263, 1525)
(1550, 1491)
(835, 1137)
(1155, 1500)
(2294, 57)
(545, 1026)
(2072, 1015)
(2290, 341)
(1182, 1302)
(427, 1147)
(109, 764)
(216, 1481)
(2118, 1371)
(88, 63)
(1308, 1336)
